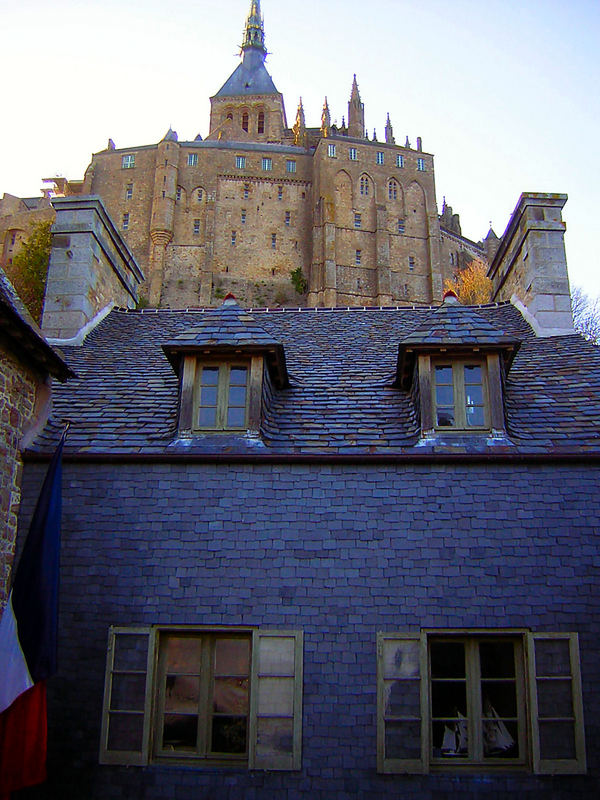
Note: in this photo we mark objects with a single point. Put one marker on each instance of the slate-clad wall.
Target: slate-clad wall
(341, 552)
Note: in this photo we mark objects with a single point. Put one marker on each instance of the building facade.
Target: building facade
(256, 200)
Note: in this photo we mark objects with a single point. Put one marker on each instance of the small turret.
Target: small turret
(356, 113)
(299, 129)
(389, 132)
(325, 120)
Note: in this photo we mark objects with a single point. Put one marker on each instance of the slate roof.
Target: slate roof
(249, 78)
(341, 399)
(23, 337)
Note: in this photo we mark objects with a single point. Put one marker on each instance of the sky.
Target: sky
(503, 93)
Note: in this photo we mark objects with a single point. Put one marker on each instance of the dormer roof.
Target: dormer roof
(229, 330)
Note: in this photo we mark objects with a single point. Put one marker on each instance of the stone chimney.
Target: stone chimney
(530, 265)
(91, 269)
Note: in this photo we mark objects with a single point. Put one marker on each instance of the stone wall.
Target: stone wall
(21, 388)
(340, 552)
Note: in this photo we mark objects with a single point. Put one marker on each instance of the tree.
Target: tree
(586, 314)
(29, 268)
(471, 285)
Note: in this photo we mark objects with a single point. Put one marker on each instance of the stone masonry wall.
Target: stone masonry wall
(18, 391)
(338, 551)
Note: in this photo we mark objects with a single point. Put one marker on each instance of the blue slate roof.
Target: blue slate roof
(249, 78)
(342, 397)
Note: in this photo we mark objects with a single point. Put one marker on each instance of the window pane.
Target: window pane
(128, 692)
(208, 396)
(230, 695)
(210, 376)
(207, 418)
(275, 737)
(447, 660)
(400, 659)
(180, 732)
(181, 693)
(276, 696)
(445, 417)
(499, 698)
(555, 698)
(131, 652)
(276, 655)
(232, 656)
(444, 396)
(474, 395)
(237, 396)
(236, 417)
(472, 373)
(229, 735)
(403, 740)
(475, 416)
(497, 659)
(500, 738)
(125, 732)
(237, 376)
(557, 740)
(552, 657)
(448, 699)
(402, 699)
(182, 654)
(443, 375)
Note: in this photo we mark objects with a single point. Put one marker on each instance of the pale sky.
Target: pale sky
(504, 93)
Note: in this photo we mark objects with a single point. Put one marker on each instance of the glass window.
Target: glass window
(399, 161)
(246, 191)
(331, 150)
(192, 160)
(221, 395)
(392, 190)
(125, 222)
(128, 161)
(379, 158)
(411, 262)
(468, 696)
(178, 194)
(129, 191)
(196, 227)
(245, 121)
(460, 395)
(261, 122)
(357, 220)
(243, 216)
(233, 238)
(358, 257)
(280, 192)
(273, 241)
(290, 165)
(421, 164)
(353, 154)
(364, 185)
(401, 226)
(240, 162)
(288, 217)
(267, 164)
(199, 195)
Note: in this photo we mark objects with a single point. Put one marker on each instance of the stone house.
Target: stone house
(27, 365)
(325, 552)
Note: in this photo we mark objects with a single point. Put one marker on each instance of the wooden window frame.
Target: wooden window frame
(457, 366)
(128, 161)
(493, 391)
(223, 385)
(527, 677)
(192, 160)
(189, 405)
(276, 658)
(399, 161)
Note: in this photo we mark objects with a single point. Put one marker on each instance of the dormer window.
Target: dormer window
(221, 396)
(453, 363)
(459, 395)
(227, 364)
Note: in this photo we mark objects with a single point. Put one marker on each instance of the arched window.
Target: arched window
(392, 190)
(261, 122)
(364, 185)
(230, 115)
(245, 121)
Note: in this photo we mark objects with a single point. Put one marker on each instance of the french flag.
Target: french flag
(28, 634)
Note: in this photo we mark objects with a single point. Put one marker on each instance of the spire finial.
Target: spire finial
(254, 32)
(325, 119)
(389, 131)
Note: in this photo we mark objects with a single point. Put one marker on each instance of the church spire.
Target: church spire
(356, 113)
(254, 32)
(325, 119)
(389, 132)
(299, 129)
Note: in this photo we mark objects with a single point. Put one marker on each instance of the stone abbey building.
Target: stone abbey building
(354, 218)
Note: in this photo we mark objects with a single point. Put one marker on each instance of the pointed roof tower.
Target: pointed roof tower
(299, 128)
(266, 120)
(251, 76)
(356, 113)
(325, 120)
(389, 132)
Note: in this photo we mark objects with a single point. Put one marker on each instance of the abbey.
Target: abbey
(353, 218)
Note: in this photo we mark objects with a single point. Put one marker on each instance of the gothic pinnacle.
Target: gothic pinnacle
(254, 32)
